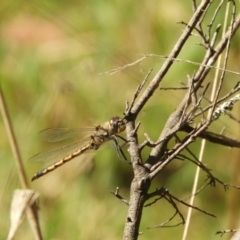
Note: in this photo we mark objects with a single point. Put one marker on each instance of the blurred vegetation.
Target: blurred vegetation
(52, 55)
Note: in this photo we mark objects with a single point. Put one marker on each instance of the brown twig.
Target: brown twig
(116, 194)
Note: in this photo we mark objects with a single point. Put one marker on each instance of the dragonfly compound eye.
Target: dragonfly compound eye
(117, 124)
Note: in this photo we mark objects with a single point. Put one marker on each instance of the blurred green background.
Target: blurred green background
(53, 54)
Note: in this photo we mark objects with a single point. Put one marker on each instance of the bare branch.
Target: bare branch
(188, 205)
(139, 88)
(226, 231)
(184, 115)
(116, 194)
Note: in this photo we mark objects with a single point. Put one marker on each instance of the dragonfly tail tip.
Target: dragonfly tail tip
(34, 178)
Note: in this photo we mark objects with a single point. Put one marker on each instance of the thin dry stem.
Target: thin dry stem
(31, 210)
(214, 97)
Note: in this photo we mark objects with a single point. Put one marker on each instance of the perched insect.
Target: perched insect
(96, 136)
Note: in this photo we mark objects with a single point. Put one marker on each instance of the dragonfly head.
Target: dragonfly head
(117, 124)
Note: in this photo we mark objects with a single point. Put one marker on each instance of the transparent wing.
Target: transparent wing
(59, 134)
(60, 153)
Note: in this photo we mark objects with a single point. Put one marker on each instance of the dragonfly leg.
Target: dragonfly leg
(119, 150)
(125, 140)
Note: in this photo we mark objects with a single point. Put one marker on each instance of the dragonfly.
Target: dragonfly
(96, 137)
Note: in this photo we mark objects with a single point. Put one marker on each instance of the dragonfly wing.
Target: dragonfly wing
(59, 134)
(60, 153)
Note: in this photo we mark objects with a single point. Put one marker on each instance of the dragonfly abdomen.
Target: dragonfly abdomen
(59, 163)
